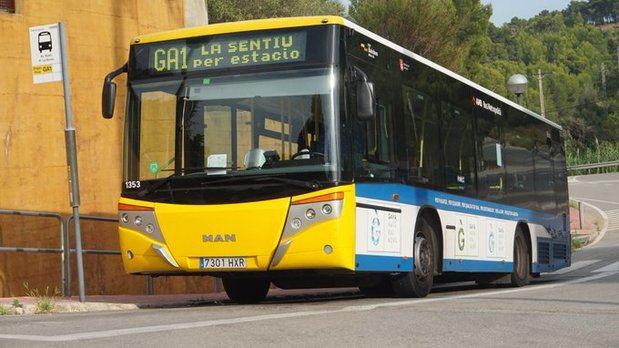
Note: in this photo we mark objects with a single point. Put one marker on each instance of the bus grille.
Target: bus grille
(543, 252)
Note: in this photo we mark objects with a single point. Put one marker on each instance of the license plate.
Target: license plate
(223, 262)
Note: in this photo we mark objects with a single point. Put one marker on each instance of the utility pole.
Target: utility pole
(603, 81)
(541, 92)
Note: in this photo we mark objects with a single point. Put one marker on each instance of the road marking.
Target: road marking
(575, 266)
(593, 200)
(219, 322)
(613, 219)
(599, 182)
(613, 267)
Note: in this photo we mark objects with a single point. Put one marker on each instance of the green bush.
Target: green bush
(604, 152)
(45, 301)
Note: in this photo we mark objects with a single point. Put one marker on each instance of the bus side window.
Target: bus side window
(378, 153)
(559, 171)
(373, 140)
(422, 143)
(458, 149)
(519, 143)
(491, 170)
(544, 180)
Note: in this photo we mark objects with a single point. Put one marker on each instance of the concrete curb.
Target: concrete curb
(603, 230)
(137, 302)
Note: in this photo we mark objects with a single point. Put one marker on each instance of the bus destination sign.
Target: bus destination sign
(227, 52)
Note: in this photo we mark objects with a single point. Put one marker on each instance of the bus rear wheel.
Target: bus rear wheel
(521, 273)
(246, 290)
(418, 283)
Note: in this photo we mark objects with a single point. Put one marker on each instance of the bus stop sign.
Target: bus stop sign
(45, 53)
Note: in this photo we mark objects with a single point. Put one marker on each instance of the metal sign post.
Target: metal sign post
(48, 50)
(74, 187)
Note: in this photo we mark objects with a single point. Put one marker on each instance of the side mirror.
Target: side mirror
(108, 99)
(366, 102)
(108, 95)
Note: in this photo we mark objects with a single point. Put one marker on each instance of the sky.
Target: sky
(505, 10)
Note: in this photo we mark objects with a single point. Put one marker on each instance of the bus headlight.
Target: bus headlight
(140, 219)
(150, 229)
(310, 213)
(327, 209)
(313, 210)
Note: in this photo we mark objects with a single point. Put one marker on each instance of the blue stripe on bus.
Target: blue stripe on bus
(383, 263)
(398, 264)
(445, 201)
(380, 263)
(465, 265)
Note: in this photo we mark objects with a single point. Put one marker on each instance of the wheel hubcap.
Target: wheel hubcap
(423, 258)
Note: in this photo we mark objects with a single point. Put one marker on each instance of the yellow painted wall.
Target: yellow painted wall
(33, 174)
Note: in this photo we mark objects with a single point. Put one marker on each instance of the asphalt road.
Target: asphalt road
(574, 307)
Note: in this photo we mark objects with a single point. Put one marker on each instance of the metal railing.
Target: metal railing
(65, 250)
(594, 165)
(62, 250)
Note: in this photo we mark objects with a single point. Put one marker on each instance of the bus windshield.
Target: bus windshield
(275, 123)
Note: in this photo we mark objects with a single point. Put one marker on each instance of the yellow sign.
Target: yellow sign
(42, 69)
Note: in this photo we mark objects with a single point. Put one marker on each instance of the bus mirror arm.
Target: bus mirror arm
(108, 97)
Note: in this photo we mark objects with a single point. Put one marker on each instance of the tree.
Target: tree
(238, 10)
(445, 31)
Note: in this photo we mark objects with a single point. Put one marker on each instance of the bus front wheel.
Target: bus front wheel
(246, 290)
(418, 283)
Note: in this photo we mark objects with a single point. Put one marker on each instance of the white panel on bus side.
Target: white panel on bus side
(384, 228)
(473, 237)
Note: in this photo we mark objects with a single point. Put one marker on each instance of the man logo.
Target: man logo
(216, 238)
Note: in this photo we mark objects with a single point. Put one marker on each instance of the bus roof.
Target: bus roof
(294, 22)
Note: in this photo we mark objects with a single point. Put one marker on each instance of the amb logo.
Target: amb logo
(217, 238)
(367, 48)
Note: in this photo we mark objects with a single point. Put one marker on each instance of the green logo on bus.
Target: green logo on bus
(153, 167)
(461, 239)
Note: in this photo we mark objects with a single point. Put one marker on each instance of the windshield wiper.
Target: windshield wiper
(262, 177)
(150, 189)
(313, 185)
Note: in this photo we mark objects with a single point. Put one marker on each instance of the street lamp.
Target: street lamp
(518, 84)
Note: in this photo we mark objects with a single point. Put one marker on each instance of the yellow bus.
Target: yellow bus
(309, 152)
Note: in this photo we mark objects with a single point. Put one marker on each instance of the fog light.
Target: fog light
(129, 254)
(124, 217)
(296, 223)
(150, 228)
(327, 209)
(328, 249)
(310, 214)
(138, 221)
